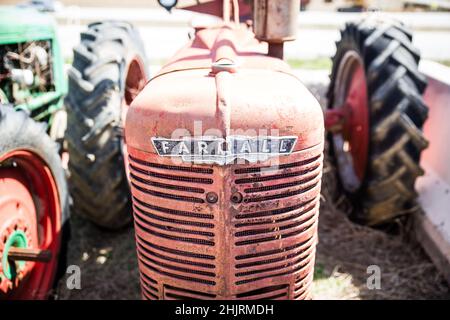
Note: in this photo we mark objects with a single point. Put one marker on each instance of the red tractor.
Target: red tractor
(222, 149)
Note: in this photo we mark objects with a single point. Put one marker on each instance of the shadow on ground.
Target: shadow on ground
(346, 250)
(107, 262)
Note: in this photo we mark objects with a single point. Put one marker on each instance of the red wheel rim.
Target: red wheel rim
(135, 81)
(29, 202)
(351, 143)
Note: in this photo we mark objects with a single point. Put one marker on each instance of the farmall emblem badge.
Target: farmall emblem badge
(224, 151)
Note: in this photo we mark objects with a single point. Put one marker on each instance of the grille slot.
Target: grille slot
(277, 255)
(292, 216)
(276, 236)
(167, 195)
(302, 286)
(172, 177)
(269, 261)
(278, 167)
(155, 179)
(181, 294)
(176, 251)
(165, 185)
(139, 224)
(175, 229)
(275, 225)
(281, 185)
(150, 280)
(266, 293)
(171, 167)
(149, 215)
(281, 195)
(275, 212)
(270, 252)
(147, 258)
(173, 211)
(298, 268)
(150, 253)
(300, 258)
(148, 294)
(149, 287)
(175, 275)
(274, 177)
(275, 296)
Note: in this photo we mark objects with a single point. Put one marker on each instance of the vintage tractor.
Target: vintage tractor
(33, 190)
(223, 148)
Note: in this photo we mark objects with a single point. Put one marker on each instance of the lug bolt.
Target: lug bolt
(90, 157)
(212, 197)
(236, 197)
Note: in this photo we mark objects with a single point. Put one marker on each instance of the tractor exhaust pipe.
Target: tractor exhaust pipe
(275, 22)
(276, 50)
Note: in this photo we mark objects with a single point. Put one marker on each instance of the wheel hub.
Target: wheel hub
(350, 134)
(17, 239)
(29, 204)
(17, 215)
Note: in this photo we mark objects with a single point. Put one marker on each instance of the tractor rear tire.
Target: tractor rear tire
(396, 112)
(95, 106)
(21, 134)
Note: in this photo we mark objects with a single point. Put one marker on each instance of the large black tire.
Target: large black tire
(98, 182)
(20, 132)
(396, 115)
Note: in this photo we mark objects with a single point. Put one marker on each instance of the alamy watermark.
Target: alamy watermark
(73, 281)
(374, 279)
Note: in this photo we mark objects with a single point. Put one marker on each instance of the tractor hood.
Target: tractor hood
(223, 85)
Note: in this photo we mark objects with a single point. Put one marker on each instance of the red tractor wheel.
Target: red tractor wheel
(109, 70)
(375, 117)
(33, 206)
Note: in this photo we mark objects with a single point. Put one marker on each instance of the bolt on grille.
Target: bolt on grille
(259, 244)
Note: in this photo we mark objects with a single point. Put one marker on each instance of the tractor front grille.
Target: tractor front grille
(257, 241)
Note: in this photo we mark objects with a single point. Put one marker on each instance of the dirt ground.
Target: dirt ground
(109, 266)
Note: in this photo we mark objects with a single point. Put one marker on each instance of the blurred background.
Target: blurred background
(319, 24)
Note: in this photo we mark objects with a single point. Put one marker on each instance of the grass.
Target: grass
(332, 284)
(444, 62)
(323, 63)
(319, 271)
(312, 64)
(336, 287)
(68, 60)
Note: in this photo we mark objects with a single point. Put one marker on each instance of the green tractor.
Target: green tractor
(33, 190)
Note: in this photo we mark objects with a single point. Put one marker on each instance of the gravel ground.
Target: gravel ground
(109, 266)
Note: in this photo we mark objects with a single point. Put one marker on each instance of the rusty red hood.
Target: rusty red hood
(221, 84)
